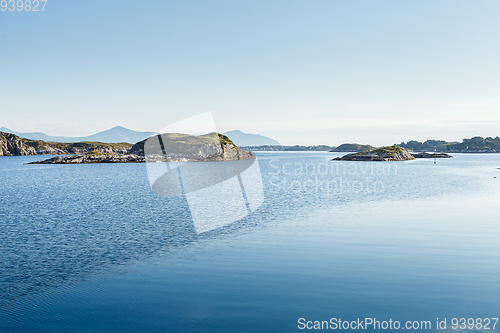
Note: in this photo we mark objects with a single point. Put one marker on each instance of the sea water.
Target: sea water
(90, 248)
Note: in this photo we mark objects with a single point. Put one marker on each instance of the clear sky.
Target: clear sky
(302, 72)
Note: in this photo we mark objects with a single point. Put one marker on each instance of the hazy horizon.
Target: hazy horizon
(328, 144)
(327, 73)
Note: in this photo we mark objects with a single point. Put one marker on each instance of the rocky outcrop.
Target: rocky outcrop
(13, 145)
(384, 154)
(91, 158)
(350, 147)
(431, 155)
(176, 147)
(170, 147)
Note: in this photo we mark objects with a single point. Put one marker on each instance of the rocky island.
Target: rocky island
(384, 154)
(168, 147)
(351, 147)
(431, 155)
(92, 158)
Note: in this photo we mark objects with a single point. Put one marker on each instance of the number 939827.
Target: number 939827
(474, 323)
(22, 5)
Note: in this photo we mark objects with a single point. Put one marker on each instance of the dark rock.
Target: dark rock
(86, 159)
(431, 155)
(176, 147)
(13, 145)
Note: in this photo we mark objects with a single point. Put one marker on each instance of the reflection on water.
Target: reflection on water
(64, 223)
(60, 224)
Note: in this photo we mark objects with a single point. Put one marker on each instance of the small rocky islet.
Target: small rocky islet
(431, 155)
(92, 158)
(386, 154)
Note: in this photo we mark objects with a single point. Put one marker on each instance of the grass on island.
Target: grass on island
(99, 153)
(40, 145)
(383, 151)
(390, 150)
(347, 147)
(182, 143)
(224, 140)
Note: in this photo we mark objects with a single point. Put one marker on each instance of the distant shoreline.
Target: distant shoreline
(12, 144)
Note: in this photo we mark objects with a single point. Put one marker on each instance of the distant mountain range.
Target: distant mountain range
(122, 134)
(113, 135)
(246, 139)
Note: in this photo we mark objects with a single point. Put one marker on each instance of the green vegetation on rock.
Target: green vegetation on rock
(388, 150)
(85, 145)
(13, 145)
(390, 153)
(224, 140)
(179, 143)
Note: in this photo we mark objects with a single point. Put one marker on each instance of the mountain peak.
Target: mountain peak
(112, 135)
(235, 132)
(6, 130)
(247, 139)
(119, 128)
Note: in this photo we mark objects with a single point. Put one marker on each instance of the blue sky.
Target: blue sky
(302, 72)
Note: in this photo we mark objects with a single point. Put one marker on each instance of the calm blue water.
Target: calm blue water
(89, 248)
